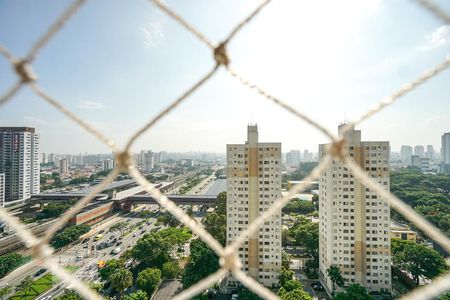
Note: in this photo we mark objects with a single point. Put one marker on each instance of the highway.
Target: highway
(82, 256)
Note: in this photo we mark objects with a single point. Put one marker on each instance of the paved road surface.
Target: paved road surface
(168, 289)
(219, 185)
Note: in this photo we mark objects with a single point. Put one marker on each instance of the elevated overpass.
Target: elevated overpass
(125, 204)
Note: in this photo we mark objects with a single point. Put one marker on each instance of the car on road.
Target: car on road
(116, 250)
(39, 272)
(101, 246)
(101, 231)
(79, 257)
(118, 243)
(98, 237)
(234, 297)
(317, 286)
(85, 246)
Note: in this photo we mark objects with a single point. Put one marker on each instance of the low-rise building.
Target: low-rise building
(403, 232)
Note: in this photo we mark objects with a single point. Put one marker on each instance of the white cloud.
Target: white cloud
(34, 121)
(438, 38)
(153, 34)
(90, 105)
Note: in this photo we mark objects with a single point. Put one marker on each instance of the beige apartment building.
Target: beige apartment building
(253, 184)
(354, 232)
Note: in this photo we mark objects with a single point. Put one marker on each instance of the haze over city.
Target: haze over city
(332, 73)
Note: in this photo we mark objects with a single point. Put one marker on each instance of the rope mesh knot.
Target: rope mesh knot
(123, 161)
(230, 261)
(221, 55)
(41, 251)
(24, 71)
(337, 149)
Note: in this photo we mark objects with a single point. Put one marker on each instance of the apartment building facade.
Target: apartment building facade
(354, 228)
(19, 161)
(253, 184)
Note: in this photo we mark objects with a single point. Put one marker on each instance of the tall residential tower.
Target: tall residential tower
(354, 221)
(19, 161)
(253, 184)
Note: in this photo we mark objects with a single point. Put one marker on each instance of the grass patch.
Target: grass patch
(38, 287)
(71, 269)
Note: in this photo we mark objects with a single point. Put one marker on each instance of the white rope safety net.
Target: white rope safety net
(42, 252)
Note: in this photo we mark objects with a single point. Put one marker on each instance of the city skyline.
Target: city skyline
(374, 44)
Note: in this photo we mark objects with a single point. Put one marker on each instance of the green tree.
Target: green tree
(202, 262)
(299, 206)
(4, 291)
(139, 295)
(110, 267)
(335, 276)
(69, 295)
(285, 260)
(121, 226)
(53, 210)
(216, 225)
(9, 262)
(170, 270)
(120, 280)
(296, 294)
(25, 285)
(354, 292)
(176, 236)
(148, 279)
(292, 284)
(307, 235)
(246, 294)
(96, 286)
(285, 275)
(69, 235)
(152, 250)
(221, 205)
(418, 260)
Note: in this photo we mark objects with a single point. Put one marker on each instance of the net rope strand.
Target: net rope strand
(42, 252)
(435, 10)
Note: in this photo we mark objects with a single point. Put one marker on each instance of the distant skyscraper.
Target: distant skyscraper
(419, 150)
(148, 162)
(43, 158)
(253, 184)
(405, 154)
(293, 157)
(63, 166)
(430, 152)
(107, 164)
(2, 189)
(19, 161)
(307, 156)
(445, 153)
(445, 148)
(354, 221)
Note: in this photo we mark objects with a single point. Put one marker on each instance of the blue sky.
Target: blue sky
(118, 63)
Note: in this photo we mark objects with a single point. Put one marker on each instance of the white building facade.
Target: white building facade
(354, 221)
(148, 162)
(63, 165)
(2, 189)
(253, 184)
(19, 161)
(405, 153)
